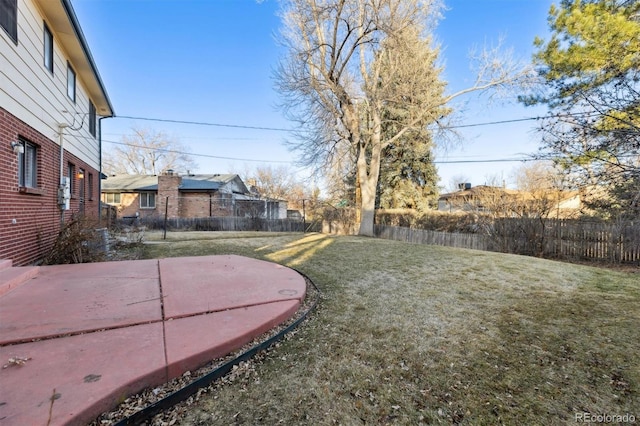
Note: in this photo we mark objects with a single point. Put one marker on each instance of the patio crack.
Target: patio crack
(163, 319)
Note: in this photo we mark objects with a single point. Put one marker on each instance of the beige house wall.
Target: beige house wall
(38, 97)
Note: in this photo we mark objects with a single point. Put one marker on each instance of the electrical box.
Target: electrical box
(64, 193)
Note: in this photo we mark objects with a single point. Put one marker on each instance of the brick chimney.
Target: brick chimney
(169, 186)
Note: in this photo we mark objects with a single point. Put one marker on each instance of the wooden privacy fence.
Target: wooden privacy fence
(616, 242)
(556, 239)
(423, 236)
(227, 223)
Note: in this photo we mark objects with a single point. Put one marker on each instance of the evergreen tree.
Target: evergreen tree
(408, 177)
(591, 66)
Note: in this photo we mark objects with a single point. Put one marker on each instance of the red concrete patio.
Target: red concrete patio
(77, 339)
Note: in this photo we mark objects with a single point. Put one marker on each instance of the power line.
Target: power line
(237, 126)
(208, 138)
(197, 155)
(204, 123)
(494, 160)
(499, 160)
(490, 123)
(279, 129)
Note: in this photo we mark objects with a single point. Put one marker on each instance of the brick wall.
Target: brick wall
(194, 205)
(180, 204)
(203, 204)
(30, 220)
(129, 206)
(168, 185)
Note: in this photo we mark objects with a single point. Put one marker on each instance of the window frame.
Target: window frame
(113, 200)
(90, 187)
(71, 170)
(28, 176)
(71, 83)
(92, 119)
(146, 196)
(47, 47)
(10, 23)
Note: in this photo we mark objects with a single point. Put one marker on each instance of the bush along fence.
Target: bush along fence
(227, 223)
(554, 239)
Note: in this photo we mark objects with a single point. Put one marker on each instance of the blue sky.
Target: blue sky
(212, 61)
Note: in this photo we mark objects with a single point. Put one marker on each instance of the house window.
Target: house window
(147, 200)
(71, 82)
(81, 189)
(48, 48)
(92, 119)
(112, 198)
(71, 169)
(90, 186)
(28, 165)
(9, 18)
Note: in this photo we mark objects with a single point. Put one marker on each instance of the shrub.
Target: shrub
(78, 242)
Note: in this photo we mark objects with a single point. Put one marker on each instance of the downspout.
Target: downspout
(61, 127)
(100, 169)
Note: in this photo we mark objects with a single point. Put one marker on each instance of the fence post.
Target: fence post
(166, 212)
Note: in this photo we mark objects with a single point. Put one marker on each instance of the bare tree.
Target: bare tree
(273, 182)
(147, 152)
(454, 183)
(540, 192)
(538, 176)
(283, 183)
(518, 221)
(351, 62)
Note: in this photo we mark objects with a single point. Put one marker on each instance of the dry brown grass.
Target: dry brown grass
(411, 334)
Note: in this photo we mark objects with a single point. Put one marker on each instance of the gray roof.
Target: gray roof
(131, 183)
(134, 183)
(205, 182)
(478, 190)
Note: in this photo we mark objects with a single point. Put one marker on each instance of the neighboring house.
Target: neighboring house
(190, 196)
(509, 202)
(294, 214)
(51, 102)
(479, 198)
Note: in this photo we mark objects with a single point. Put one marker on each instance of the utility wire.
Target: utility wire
(280, 129)
(196, 155)
(494, 160)
(500, 160)
(237, 126)
(491, 123)
(203, 123)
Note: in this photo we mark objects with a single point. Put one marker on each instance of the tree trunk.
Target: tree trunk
(368, 174)
(367, 211)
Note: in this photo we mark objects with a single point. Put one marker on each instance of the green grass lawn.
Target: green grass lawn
(414, 334)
